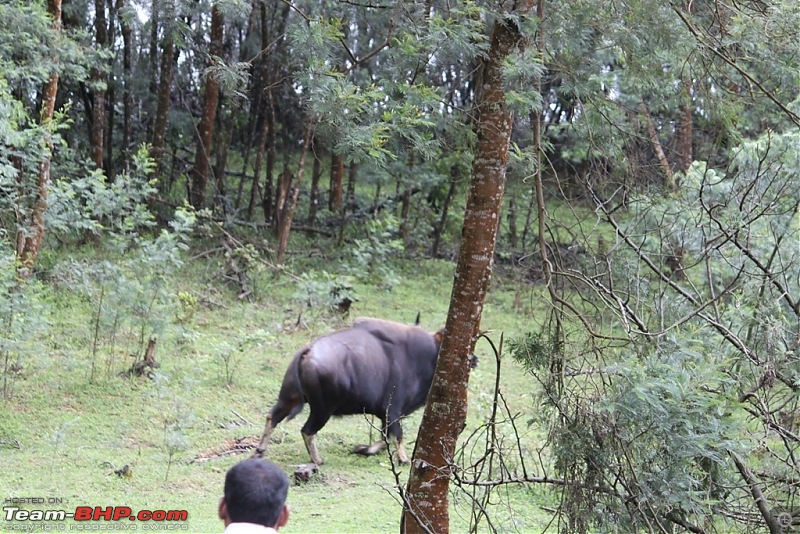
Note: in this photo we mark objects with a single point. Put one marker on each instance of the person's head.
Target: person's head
(255, 492)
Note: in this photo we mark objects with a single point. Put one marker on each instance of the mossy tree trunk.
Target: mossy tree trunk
(205, 130)
(29, 241)
(426, 496)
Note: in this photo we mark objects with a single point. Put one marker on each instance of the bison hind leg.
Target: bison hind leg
(391, 431)
(262, 445)
(311, 445)
(369, 450)
(285, 409)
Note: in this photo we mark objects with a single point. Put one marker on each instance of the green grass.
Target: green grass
(73, 434)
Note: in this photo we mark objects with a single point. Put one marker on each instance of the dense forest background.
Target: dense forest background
(649, 222)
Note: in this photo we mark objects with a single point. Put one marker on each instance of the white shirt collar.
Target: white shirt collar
(248, 528)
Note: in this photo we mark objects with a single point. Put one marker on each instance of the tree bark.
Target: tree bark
(254, 189)
(221, 157)
(405, 204)
(290, 206)
(685, 129)
(205, 130)
(451, 191)
(350, 197)
(29, 242)
(349, 203)
(426, 496)
(111, 96)
(655, 143)
(337, 173)
(127, 95)
(99, 80)
(269, 190)
(316, 173)
(165, 83)
(153, 52)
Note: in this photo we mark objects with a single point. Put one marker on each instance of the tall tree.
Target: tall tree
(287, 208)
(158, 139)
(127, 94)
(99, 83)
(205, 129)
(426, 505)
(29, 243)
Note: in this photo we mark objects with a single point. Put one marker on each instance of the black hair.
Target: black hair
(255, 492)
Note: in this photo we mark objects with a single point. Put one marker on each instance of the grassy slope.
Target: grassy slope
(73, 434)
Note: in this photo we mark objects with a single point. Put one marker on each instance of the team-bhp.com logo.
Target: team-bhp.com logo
(89, 518)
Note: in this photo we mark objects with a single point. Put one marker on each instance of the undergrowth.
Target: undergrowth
(71, 419)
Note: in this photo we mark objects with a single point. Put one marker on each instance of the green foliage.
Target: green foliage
(21, 321)
(522, 72)
(693, 315)
(24, 146)
(129, 291)
(325, 290)
(665, 413)
(183, 424)
(532, 351)
(370, 257)
(30, 53)
(93, 205)
(187, 303)
(232, 78)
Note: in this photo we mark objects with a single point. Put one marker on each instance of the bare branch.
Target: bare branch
(758, 495)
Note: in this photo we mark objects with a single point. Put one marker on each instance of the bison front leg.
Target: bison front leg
(262, 446)
(311, 446)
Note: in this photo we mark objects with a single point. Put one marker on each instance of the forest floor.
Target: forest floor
(67, 439)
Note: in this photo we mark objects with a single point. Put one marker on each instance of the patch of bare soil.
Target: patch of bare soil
(228, 448)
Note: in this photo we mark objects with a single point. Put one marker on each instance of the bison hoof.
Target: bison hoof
(363, 450)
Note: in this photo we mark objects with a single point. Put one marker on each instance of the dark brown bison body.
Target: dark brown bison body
(374, 367)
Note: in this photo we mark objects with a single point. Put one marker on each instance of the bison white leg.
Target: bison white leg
(262, 446)
(311, 445)
(401, 452)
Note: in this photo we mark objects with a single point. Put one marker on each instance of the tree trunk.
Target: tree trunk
(439, 229)
(164, 85)
(350, 197)
(221, 157)
(270, 68)
(29, 243)
(205, 130)
(290, 206)
(426, 497)
(405, 204)
(337, 173)
(655, 143)
(316, 173)
(153, 52)
(685, 128)
(254, 189)
(512, 223)
(98, 79)
(127, 95)
(281, 195)
(269, 195)
(349, 203)
(111, 97)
